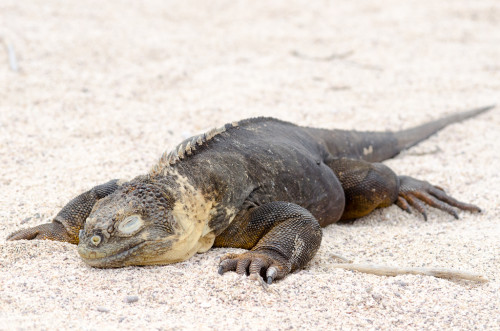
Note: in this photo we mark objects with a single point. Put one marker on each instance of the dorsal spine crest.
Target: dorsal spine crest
(188, 147)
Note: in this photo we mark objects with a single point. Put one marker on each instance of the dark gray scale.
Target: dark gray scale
(267, 160)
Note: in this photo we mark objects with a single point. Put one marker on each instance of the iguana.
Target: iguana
(261, 184)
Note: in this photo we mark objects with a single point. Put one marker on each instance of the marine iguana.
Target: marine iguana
(260, 184)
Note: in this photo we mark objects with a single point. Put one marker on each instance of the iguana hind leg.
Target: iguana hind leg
(368, 186)
(283, 236)
(67, 223)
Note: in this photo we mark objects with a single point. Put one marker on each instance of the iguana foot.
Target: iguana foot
(49, 231)
(67, 224)
(266, 264)
(417, 193)
(289, 241)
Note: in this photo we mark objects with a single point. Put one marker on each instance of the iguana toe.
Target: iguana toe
(255, 264)
(417, 193)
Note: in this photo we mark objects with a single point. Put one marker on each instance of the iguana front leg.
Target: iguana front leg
(67, 223)
(283, 237)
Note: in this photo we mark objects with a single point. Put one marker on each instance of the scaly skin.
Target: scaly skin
(260, 184)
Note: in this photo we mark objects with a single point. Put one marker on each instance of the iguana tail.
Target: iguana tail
(413, 136)
(379, 146)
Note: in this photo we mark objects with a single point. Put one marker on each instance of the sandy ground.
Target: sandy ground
(104, 87)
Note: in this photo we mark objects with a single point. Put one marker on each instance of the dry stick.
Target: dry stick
(336, 56)
(262, 283)
(341, 258)
(331, 57)
(11, 54)
(394, 271)
(12, 57)
(434, 151)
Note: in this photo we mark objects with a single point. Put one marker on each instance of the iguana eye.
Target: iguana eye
(130, 224)
(96, 239)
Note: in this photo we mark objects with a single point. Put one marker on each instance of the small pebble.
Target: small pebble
(377, 297)
(131, 298)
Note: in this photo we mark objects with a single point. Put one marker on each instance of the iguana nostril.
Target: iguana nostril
(96, 239)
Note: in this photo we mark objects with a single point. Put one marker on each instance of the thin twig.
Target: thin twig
(341, 258)
(394, 271)
(434, 151)
(334, 56)
(11, 54)
(12, 57)
(365, 66)
(262, 283)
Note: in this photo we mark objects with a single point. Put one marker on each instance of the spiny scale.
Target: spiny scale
(187, 147)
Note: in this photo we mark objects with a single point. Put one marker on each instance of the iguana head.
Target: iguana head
(143, 223)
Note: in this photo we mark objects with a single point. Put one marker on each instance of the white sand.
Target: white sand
(104, 87)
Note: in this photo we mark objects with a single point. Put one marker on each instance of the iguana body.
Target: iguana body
(260, 184)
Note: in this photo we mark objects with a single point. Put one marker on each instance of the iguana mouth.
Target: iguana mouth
(105, 259)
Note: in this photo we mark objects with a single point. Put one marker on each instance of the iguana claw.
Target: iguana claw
(271, 274)
(418, 193)
(256, 264)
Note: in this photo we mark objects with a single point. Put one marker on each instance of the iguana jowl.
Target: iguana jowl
(260, 184)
